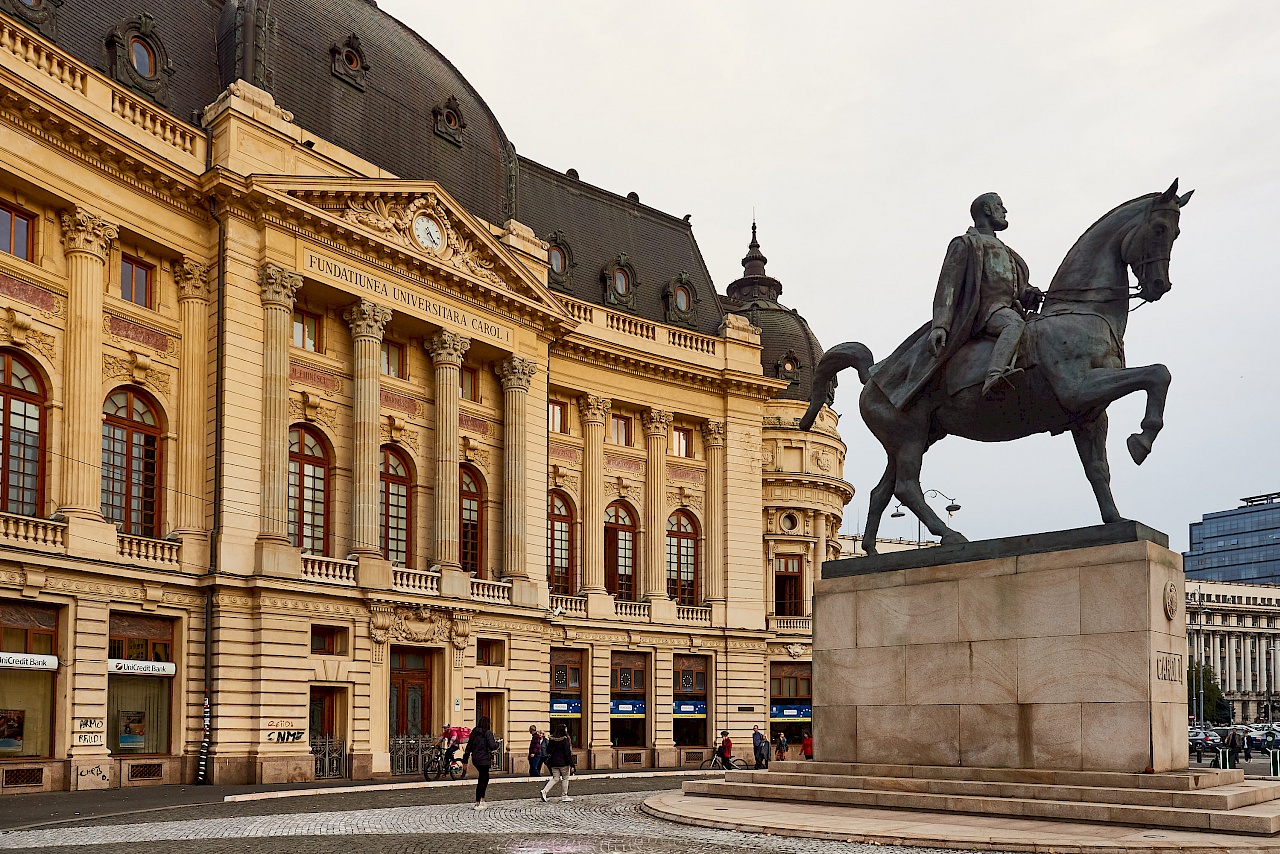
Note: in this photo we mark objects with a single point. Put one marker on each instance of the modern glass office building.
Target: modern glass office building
(1242, 544)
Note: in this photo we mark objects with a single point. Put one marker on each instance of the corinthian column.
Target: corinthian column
(713, 435)
(193, 304)
(87, 243)
(447, 349)
(278, 289)
(516, 374)
(367, 319)
(656, 426)
(593, 411)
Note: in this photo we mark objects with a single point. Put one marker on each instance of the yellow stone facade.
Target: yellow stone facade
(242, 221)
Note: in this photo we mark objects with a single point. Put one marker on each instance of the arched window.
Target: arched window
(560, 545)
(471, 523)
(308, 491)
(682, 558)
(131, 464)
(21, 438)
(395, 507)
(620, 551)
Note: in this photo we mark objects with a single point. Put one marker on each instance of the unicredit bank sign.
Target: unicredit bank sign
(28, 661)
(141, 668)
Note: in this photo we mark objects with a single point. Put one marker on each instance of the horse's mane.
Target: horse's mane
(1088, 231)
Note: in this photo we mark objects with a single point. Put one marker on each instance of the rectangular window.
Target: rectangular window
(689, 724)
(557, 420)
(629, 712)
(306, 330)
(566, 691)
(138, 705)
(787, 596)
(17, 228)
(393, 360)
(328, 640)
(26, 696)
(681, 442)
(469, 386)
(489, 652)
(620, 427)
(135, 281)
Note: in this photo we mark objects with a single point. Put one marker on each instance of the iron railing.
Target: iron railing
(330, 755)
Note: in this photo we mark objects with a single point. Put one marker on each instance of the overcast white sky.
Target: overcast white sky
(859, 132)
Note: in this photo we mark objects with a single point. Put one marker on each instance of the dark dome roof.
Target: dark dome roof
(388, 114)
(790, 349)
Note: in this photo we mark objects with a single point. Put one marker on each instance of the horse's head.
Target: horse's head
(1147, 247)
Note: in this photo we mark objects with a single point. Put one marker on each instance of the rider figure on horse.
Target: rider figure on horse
(983, 289)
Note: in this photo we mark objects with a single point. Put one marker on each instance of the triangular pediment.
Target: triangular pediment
(386, 211)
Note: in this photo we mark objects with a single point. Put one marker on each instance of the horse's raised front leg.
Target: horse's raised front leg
(1099, 387)
(1091, 443)
(907, 488)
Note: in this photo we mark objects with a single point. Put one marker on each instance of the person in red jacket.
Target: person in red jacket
(725, 750)
(806, 746)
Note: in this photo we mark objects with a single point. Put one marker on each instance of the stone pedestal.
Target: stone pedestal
(1061, 651)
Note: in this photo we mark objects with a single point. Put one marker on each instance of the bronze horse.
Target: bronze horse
(1073, 364)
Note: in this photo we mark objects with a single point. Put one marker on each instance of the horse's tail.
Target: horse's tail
(850, 354)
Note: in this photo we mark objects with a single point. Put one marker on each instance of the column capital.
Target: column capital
(86, 232)
(367, 319)
(593, 409)
(447, 348)
(278, 285)
(516, 373)
(713, 433)
(191, 276)
(656, 422)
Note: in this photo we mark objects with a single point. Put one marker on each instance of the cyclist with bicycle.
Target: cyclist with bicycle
(449, 745)
(725, 750)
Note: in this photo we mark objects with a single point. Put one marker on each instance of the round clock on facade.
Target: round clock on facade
(427, 232)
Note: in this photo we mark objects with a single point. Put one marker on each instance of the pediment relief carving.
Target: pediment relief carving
(393, 218)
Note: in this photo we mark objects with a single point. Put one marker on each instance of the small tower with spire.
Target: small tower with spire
(754, 284)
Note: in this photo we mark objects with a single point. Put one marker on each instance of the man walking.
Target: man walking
(535, 752)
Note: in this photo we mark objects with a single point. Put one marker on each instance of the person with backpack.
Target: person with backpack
(481, 746)
(561, 761)
(535, 752)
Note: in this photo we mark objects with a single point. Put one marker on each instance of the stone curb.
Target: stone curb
(441, 784)
(656, 808)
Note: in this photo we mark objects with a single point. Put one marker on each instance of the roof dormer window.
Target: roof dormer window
(137, 58)
(349, 64)
(450, 123)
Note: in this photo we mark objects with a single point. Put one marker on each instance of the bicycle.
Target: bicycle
(717, 763)
(435, 766)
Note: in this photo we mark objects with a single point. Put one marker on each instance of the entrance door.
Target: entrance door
(490, 705)
(324, 722)
(409, 709)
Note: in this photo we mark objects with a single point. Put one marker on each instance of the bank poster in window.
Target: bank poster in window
(133, 730)
(12, 723)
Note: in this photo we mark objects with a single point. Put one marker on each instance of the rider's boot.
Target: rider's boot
(1002, 356)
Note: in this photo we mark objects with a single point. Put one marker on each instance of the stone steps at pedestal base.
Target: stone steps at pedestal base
(1255, 819)
(1187, 780)
(1225, 797)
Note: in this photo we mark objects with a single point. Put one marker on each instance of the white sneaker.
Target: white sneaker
(482, 806)
(544, 796)
(566, 798)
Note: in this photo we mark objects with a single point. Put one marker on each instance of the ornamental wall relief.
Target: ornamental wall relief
(135, 369)
(310, 407)
(393, 429)
(394, 221)
(420, 625)
(16, 326)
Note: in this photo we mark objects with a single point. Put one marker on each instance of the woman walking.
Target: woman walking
(561, 761)
(480, 749)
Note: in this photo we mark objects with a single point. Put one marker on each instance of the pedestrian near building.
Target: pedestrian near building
(1233, 744)
(480, 749)
(782, 746)
(561, 761)
(806, 746)
(759, 748)
(535, 752)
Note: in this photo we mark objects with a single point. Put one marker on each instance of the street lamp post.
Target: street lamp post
(1200, 604)
(931, 493)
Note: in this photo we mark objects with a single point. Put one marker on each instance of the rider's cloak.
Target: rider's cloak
(908, 369)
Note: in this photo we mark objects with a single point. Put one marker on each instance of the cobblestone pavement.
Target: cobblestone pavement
(592, 824)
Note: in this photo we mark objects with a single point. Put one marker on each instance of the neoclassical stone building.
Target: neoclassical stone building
(329, 420)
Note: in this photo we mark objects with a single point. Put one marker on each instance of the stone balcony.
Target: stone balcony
(790, 625)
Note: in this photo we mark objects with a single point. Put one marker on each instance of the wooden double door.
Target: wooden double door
(409, 703)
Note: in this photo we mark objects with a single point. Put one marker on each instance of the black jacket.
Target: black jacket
(560, 754)
(480, 748)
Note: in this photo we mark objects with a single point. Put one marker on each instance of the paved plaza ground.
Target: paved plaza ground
(603, 817)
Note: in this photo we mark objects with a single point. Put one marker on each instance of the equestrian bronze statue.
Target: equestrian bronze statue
(992, 368)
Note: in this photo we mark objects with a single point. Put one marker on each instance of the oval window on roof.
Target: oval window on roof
(352, 59)
(144, 59)
(557, 260)
(682, 299)
(621, 283)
